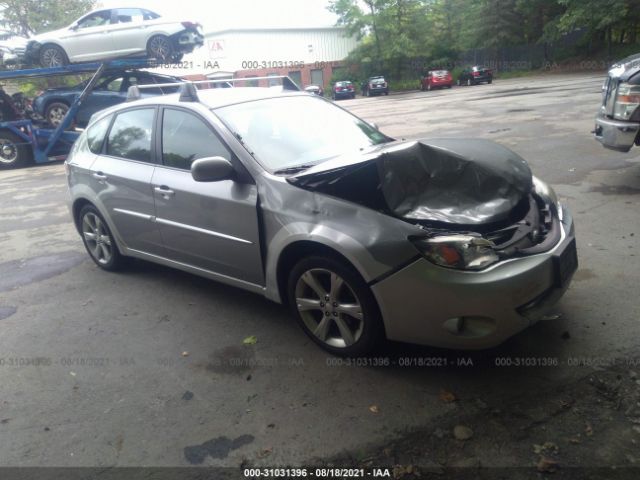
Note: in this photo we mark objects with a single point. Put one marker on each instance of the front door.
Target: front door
(90, 38)
(209, 225)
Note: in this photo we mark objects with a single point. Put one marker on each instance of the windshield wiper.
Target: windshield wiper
(294, 169)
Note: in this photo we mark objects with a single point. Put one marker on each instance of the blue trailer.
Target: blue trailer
(23, 142)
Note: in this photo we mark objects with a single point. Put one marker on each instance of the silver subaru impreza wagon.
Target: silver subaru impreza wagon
(444, 242)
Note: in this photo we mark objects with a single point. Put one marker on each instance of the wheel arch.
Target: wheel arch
(52, 42)
(77, 205)
(296, 251)
(47, 103)
(83, 198)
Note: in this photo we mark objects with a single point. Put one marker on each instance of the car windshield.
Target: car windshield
(290, 132)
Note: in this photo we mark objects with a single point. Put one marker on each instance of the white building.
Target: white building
(271, 50)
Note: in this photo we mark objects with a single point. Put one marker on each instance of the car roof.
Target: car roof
(120, 7)
(217, 97)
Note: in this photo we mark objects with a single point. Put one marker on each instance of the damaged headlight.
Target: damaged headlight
(545, 191)
(462, 252)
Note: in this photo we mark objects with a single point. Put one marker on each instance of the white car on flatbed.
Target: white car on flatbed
(115, 33)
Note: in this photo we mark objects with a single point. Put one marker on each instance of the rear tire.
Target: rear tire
(160, 48)
(490, 81)
(98, 240)
(334, 306)
(13, 151)
(52, 56)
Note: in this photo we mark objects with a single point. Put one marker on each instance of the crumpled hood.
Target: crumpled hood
(452, 181)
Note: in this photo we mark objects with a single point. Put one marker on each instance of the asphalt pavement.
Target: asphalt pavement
(148, 366)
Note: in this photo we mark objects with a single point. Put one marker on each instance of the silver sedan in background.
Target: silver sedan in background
(443, 242)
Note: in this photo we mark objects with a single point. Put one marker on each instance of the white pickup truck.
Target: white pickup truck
(618, 121)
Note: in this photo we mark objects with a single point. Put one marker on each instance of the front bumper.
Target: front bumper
(378, 89)
(616, 135)
(422, 303)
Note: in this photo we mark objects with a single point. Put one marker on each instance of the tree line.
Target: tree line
(393, 31)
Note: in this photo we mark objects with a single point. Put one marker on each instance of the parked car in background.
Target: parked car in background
(618, 121)
(291, 197)
(12, 47)
(315, 89)
(112, 33)
(436, 79)
(475, 75)
(53, 104)
(343, 89)
(375, 86)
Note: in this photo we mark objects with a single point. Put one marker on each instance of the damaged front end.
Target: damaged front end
(476, 201)
(187, 40)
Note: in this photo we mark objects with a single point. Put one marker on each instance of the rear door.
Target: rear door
(129, 31)
(209, 225)
(122, 176)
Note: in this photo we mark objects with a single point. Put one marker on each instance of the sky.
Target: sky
(222, 14)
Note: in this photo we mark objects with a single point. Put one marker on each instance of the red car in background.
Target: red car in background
(436, 79)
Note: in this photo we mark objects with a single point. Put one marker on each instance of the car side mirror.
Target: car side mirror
(212, 169)
(373, 125)
(74, 27)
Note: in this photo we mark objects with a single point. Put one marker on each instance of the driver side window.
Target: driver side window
(186, 138)
(95, 19)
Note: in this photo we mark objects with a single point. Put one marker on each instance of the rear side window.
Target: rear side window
(186, 138)
(96, 133)
(130, 135)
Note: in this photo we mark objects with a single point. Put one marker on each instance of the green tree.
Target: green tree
(28, 17)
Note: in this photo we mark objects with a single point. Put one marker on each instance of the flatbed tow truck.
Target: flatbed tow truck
(23, 141)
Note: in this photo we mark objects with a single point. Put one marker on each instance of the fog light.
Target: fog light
(454, 325)
(470, 327)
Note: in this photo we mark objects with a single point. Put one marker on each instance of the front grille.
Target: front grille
(610, 94)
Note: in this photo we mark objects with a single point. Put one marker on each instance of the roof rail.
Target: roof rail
(189, 93)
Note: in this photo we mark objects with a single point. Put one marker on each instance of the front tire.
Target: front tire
(469, 82)
(160, 48)
(55, 113)
(334, 306)
(53, 56)
(98, 240)
(14, 152)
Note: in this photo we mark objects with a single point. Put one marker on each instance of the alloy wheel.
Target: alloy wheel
(56, 114)
(52, 57)
(160, 47)
(97, 238)
(329, 307)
